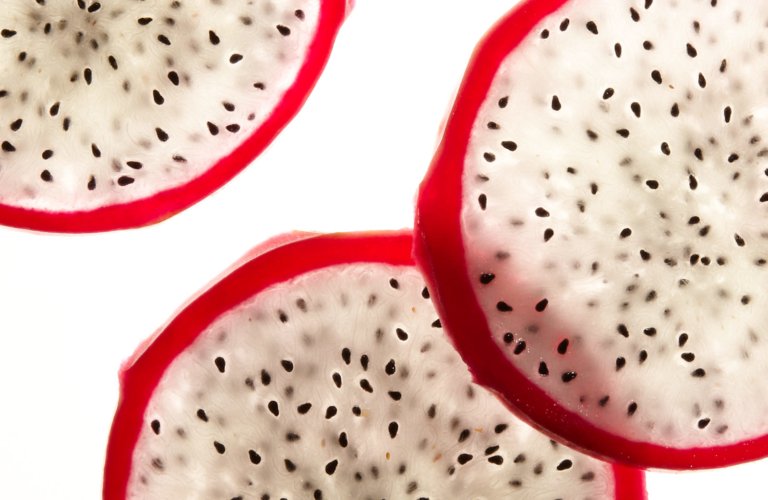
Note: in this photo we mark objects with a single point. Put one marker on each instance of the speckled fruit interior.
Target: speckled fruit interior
(609, 188)
(336, 383)
(116, 103)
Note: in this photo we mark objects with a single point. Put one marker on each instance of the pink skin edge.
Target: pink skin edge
(276, 261)
(164, 204)
(440, 254)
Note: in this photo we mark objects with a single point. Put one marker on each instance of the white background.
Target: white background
(72, 308)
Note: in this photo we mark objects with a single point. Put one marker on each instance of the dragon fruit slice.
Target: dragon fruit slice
(119, 114)
(592, 225)
(319, 370)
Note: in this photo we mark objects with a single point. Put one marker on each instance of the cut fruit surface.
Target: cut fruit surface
(319, 370)
(593, 225)
(119, 114)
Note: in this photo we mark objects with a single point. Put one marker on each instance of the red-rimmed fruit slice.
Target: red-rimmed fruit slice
(594, 225)
(118, 115)
(319, 370)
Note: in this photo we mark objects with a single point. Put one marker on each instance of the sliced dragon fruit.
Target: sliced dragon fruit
(592, 225)
(319, 370)
(119, 114)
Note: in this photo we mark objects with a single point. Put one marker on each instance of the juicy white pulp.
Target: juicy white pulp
(111, 102)
(624, 220)
(339, 384)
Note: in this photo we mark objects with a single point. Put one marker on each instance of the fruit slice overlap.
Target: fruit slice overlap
(594, 225)
(319, 370)
(119, 114)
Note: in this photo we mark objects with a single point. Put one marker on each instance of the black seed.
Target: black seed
(284, 30)
(161, 134)
(304, 408)
(650, 331)
(503, 102)
(390, 368)
(564, 24)
(656, 76)
(234, 127)
(6, 33)
(330, 467)
(496, 459)
(220, 363)
(287, 365)
(623, 132)
(698, 154)
(88, 75)
(220, 448)
(266, 378)
(592, 27)
(47, 154)
(331, 411)
(343, 441)
(489, 157)
(691, 50)
(625, 233)
(486, 278)
(432, 411)
(620, 362)
(674, 110)
(543, 370)
(500, 428)
(653, 184)
(212, 128)
(346, 355)
(163, 39)
(688, 356)
(336, 379)
(541, 305)
(635, 107)
(273, 408)
(125, 180)
(698, 373)
(174, 78)
(704, 231)
(437, 323)
(395, 395)
(520, 346)
(603, 401)
(366, 386)
(732, 157)
(556, 103)
(682, 339)
(508, 338)
(213, 38)
(502, 306)
(703, 423)
(112, 62)
(633, 14)
(392, 428)
(632, 408)
(254, 457)
(562, 347)
(727, 114)
(592, 135)
(541, 212)
(565, 465)
(464, 458)
(593, 188)
(702, 81)
(289, 466)
(548, 233)
(292, 437)
(645, 255)
(235, 58)
(692, 182)
(568, 376)
(8, 147)
(608, 93)
(401, 334)
(394, 283)
(509, 145)
(157, 97)
(91, 183)
(617, 49)
(642, 356)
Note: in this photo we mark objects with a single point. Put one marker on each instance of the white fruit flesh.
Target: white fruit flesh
(339, 384)
(118, 100)
(614, 199)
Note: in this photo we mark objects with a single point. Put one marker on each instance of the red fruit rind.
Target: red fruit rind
(166, 203)
(440, 253)
(285, 258)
